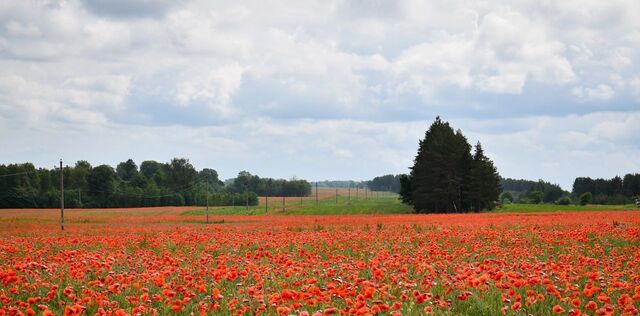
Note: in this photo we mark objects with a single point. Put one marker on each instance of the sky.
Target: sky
(322, 89)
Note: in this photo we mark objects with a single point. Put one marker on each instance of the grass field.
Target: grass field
(388, 204)
(375, 203)
(165, 261)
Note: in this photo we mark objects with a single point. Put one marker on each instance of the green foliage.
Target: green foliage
(389, 183)
(484, 181)
(565, 200)
(102, 184)
(609, 191)
(245, 181)
(445, 176)
(536, 197)
(180, 174)
(522, 190)
(127, 170)
(405, 189)
(585, 198)
(339, 184)
(156, 184)
(210, 178)
(506, 197)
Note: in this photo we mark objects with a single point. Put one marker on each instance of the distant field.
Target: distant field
(375, 203)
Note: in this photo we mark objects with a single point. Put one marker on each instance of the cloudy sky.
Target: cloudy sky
(322, 90)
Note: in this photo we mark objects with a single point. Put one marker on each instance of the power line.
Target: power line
(18, 173)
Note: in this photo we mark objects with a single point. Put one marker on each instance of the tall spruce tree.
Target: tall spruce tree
(445, 178)
(484, 181)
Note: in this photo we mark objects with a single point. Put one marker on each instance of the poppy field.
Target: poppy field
(159, 261)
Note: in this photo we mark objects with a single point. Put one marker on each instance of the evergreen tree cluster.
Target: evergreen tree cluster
(446, 177)
(608, 191)
(175, 183)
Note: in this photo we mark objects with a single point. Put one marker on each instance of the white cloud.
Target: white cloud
(356, 81)
(635, 87)
(601, 92)
(215, 87)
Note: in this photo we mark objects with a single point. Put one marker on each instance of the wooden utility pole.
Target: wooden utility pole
(349, 193)
(336, 195)
(61, 196)
(316, 193)
(246, 197)
(207, 210)
(266, 200)
(357, 189)
(365, 193)
(283, 203)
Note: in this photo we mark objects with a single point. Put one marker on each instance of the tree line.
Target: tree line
(389, 182)
(585, 190)
(176, 183)
(535, 192)
(268, 186)
(340, 184)
(616, 190)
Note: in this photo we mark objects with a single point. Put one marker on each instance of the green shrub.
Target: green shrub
(506, 198)
(565, 200)
(536, 197)
(585, 198)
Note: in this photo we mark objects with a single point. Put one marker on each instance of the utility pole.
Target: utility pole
(365, 193)
(349, 193)
(246, 197)
(357, 189)
(61, 196)
(316, 193)
(283, 203)
(207, 210)
(266, 199)
(336, 195)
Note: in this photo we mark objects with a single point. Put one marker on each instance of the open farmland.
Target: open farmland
(160, 261)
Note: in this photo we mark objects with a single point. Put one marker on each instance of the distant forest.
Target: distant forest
(608, 191)
(175, 183)
(340, 184)
(616, 190)
(528, 191)
(178, 183)
(387, 183)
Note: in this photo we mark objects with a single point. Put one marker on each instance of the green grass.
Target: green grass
(386, 205)
(369, 206)
(525, 208)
